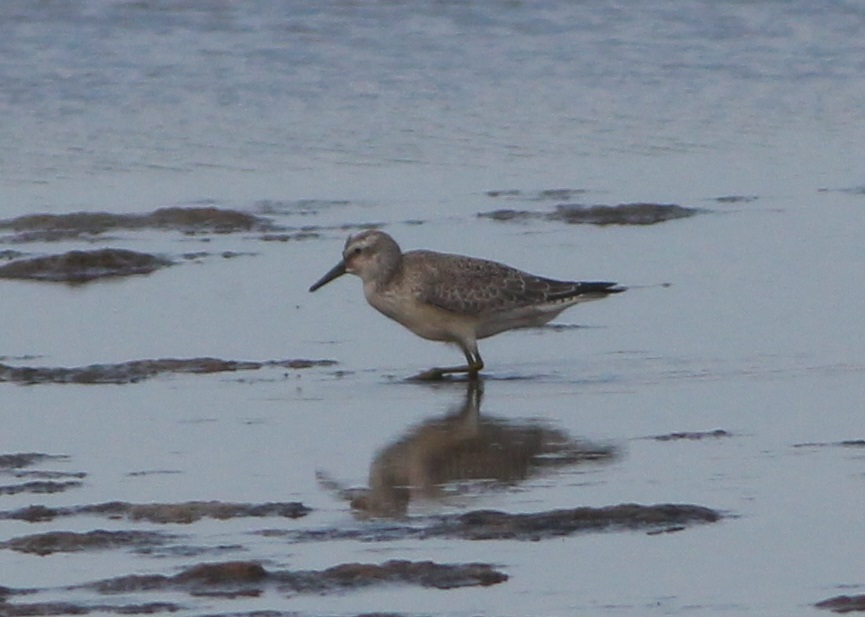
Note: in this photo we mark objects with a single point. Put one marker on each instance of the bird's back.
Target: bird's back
(479, 287)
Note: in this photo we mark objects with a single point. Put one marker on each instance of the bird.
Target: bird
(455, 298)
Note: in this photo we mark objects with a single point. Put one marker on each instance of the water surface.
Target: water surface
(742, 327)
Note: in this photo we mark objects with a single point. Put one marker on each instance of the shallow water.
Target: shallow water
(742, 328)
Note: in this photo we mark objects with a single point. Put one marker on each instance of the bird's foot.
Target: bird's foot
(433, 374)
(440, 374)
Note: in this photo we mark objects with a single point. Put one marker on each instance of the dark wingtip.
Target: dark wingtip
(603, 287)
(587, 290)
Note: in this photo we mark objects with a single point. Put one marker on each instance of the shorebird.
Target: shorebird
(454, 298)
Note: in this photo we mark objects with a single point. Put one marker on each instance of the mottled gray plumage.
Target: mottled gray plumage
(453, 298)
(475, 286)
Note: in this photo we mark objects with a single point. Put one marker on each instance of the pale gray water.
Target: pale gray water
(398, 113)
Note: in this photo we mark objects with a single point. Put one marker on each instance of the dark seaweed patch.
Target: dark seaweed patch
(248, 578)
(850, 190)
(41, 482)
(508, 214)
(199, 255)
(50, 475)
(736, 199)
(47, 609)
(83, 266)
(843, 604)
(495, 194)
(692, 435)
(290, 236)
(184, 512)
(542, 195)
(69, 542)
(847, 443)
(580, 214)
(26, 459)
(139, 370)
(152, 472)
(495, 525)
(621, 214)
(39, 487)
(192, 220)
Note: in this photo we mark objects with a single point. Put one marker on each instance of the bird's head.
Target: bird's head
(369, 254)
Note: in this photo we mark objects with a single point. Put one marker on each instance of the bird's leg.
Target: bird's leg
(473, 366)
(475, 362)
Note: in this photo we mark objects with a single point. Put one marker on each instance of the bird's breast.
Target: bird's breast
(425, 320)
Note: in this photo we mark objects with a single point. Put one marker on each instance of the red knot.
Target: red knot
(453, 298)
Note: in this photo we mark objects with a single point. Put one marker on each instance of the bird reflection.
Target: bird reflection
(465, 450)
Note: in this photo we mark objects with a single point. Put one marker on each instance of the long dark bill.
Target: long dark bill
(335, 272)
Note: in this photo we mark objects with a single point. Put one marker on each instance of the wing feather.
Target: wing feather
(473, 286)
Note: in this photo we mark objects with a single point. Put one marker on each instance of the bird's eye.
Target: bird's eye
(356, 250)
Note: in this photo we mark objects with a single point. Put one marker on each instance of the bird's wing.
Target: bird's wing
(476, 286)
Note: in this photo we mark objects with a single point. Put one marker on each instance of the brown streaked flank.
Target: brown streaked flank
(453, 298)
